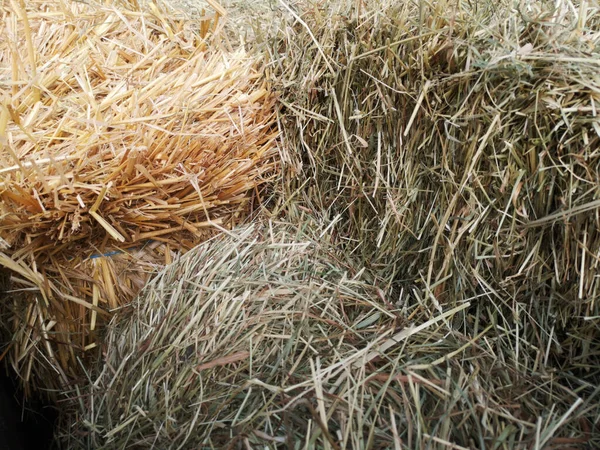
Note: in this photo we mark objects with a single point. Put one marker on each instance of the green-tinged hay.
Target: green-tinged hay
(260, 336)
(471, 131)
(456, 146)
(268, 337)
(127, 135)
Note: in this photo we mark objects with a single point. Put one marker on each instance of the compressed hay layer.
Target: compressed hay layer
(259, 335)
(126, 135)
(455, 146)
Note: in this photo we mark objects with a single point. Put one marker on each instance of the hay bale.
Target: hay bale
(455, 146)
(127, 135)
(467, 142)
(270, 338)
(258, 336)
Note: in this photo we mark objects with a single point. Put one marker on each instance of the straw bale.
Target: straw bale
(454, 147)
(257, 336)
(126, 135)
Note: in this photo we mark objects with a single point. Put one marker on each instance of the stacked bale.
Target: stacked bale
(127, 135)
(455, 146)
(447, 147)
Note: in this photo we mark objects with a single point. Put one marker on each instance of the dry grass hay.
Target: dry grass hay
(455, 146)
(126, 135)
(270, 338)
(259, 336)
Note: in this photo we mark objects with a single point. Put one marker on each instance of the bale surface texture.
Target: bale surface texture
(261, 335)
(453, 147)
(126, 135)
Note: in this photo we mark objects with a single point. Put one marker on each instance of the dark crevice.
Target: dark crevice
(24, 425)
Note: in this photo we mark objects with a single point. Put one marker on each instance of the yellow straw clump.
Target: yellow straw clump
(126, 134)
